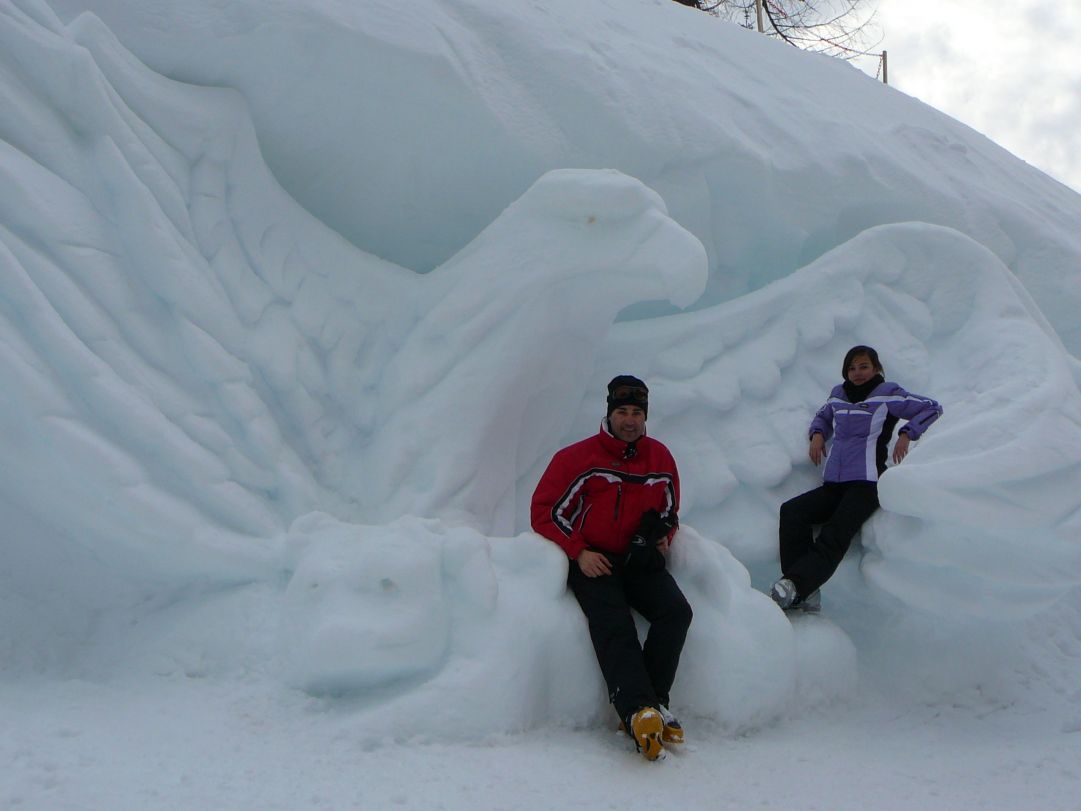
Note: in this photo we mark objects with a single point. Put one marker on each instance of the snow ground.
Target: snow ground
(178, 743)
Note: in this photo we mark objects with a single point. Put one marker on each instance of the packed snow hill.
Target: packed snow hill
(298, 300)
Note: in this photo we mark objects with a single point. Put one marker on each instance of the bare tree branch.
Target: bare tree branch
(842, 28)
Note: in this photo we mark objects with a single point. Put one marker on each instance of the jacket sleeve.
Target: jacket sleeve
(823, 421)
(675, 493)
(554, 507)
(918, 410)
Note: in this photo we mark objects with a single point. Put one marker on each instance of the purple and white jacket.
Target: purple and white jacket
(862, 431)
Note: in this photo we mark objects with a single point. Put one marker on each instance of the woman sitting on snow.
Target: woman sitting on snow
(860, 415)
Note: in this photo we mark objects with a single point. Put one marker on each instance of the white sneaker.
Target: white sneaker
(784, 593)
(811, 604)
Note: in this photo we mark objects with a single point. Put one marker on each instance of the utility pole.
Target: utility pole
(758, 11)
(885, 69)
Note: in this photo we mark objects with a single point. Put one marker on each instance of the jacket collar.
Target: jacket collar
(857, 394)
(617, 447)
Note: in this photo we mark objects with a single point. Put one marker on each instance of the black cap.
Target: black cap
(625, 390)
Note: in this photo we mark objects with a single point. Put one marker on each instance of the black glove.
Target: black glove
(651, 528)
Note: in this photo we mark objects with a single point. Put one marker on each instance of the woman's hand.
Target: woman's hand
(817, 451)
(900, 450)
(593, 564)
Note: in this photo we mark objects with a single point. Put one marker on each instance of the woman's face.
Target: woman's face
(860, 370)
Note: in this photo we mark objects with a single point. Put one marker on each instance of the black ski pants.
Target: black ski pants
(841, 508)
(637, 675)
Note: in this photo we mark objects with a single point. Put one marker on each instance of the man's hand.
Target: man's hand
(650, 527)
(650, 539)
(817, 451)
(900, 449)
(667, 525)
(593, 564)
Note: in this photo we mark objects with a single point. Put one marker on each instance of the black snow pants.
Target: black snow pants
(841, 508)
(637, 675)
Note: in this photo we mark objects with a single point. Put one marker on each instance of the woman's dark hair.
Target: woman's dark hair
(855, 352)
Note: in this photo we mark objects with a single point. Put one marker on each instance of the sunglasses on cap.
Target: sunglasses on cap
(636, 394)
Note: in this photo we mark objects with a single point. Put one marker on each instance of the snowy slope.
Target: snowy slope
(771, 157)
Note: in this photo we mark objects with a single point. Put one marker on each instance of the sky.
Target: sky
(265, 513)
(1011, 73)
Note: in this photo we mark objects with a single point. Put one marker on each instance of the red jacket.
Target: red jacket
(591, 496)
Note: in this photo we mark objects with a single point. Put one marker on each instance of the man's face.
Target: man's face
(628, 423)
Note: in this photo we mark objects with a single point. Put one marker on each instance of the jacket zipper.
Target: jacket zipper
(619, 496)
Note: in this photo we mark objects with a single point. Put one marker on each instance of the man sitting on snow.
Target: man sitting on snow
(611, 501)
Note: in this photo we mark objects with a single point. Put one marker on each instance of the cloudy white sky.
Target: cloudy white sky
(1009, 70)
